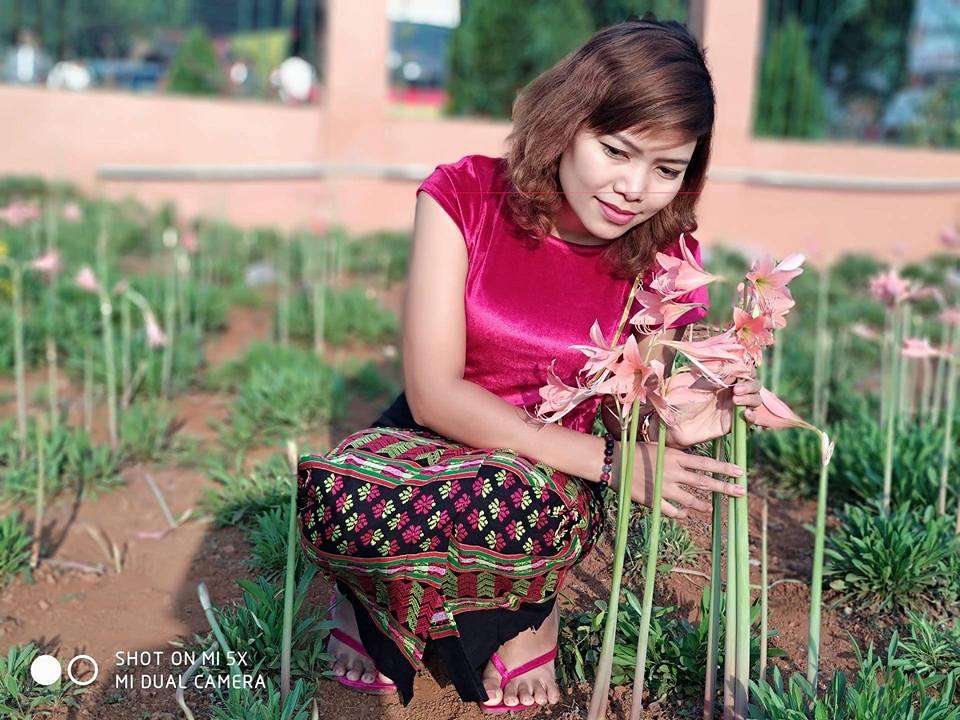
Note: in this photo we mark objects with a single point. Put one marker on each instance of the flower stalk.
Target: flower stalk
(946, 454)
(713, 634)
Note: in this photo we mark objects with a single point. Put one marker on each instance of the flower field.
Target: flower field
(159, 375)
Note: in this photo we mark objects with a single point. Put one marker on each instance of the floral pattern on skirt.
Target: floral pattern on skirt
(422, 528)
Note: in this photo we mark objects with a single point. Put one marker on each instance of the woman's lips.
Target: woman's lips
(613, 215)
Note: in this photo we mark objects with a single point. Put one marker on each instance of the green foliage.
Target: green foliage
(610, 12)
(241, 495)
(71, 461)
(676, 654)
(880, 690)
(268, 542)
(263, 703)
(895, 562)
(384, 253)
(790, 99)
(282, 393)
(367, 380)
(195, 69)
(351, 315)
(938, 122)
(23, 699)
(676, 547)
(14, 547)
(149, 432)
(255, 626)
(501, 46)
(932, 648)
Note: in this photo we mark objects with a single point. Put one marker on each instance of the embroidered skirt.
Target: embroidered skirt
(433, 541)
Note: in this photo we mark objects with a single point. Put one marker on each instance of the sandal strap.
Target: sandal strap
(508, 675)
(349, 641)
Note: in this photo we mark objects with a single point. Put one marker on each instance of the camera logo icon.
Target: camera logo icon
(46, 670)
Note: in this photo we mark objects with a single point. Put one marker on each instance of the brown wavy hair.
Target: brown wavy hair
(638, 75)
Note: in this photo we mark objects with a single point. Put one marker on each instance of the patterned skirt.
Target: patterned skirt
(435, 541)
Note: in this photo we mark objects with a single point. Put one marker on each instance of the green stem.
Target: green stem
(653, 546)
(169, 319)
(730, 630)
(88, 387)
(816, 580)
(41, 480)
(742, 549)
(106, 319)
(903, 386)
(289, 584)
(601, 685)
(235, 672)
(776, 364)
(894, 369)
(764, 605)
(283, 298)
(126, 338)
(947, 451)
(939, 380)
(16, 277)
(716, 551)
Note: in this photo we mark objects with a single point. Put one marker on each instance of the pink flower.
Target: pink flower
(18, 212)
(949, 236)
(559, 398)
(630, 376)
(658, 311)
(775, 413)
(601, 355)
(769, 282)
(155, 335)
(864, 331)
(919, 349)
(950, 316)
(87, 280)
(752, 333)
(889, 288)
(682, 275)
(72, 212)
(48, 263)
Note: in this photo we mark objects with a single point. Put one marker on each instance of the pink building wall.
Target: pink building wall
(59, 134)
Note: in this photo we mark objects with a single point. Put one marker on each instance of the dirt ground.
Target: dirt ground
(152, 604)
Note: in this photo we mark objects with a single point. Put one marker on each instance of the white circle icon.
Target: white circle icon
(83, 683)
(45, 670)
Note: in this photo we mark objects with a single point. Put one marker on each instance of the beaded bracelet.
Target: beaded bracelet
(607, 458)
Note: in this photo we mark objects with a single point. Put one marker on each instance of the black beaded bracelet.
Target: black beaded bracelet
(607, 458)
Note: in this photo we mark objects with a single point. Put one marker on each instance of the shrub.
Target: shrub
(195, 69)
(20, 697)
(268, 542)
(892, 562)
(242, 495)
(263, 703)
(14, 547)
(932, 648)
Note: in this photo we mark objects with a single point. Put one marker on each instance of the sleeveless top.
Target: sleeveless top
(525, 303)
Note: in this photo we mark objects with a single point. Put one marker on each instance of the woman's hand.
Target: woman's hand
(703, 411)
(681, 471)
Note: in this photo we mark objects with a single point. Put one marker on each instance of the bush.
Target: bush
(268, 543)
(240, 496)
(881, 690)
(14, 547)
(932, 648)
(195, 69)
(895, 562)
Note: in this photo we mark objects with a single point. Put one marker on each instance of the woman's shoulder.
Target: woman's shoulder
(475, 171)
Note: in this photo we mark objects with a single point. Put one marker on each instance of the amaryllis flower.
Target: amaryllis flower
(776, 414)
(752, 333)
(711, 353)
(950, 237)
(155, 335)
(950, 316)
(769, 281)
(87, 280)
(657, 311)
(72, 212)
(631, 378)
(919, 348)
(18, 212)
(682, 275)
(889, 288)
(48, 263)
(601, 355)
(559, 398)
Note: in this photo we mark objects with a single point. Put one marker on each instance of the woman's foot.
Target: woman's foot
(347, 661)
(536, 687)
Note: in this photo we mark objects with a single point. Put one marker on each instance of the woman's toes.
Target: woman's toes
(525, 695)
(553, 693)
(540, 694)
(510, 697)
(494, 693)
(355, 671)
(368, 677)
(383, 678)
(339, 667)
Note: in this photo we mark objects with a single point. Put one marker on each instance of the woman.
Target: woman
(454, 519)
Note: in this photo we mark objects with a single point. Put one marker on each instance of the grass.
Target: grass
(23, 699)
(15, 542)
(241, 495)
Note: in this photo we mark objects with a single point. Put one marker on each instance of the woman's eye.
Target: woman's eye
(611, 150)
(671, 173)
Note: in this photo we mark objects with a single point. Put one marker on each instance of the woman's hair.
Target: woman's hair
(638, 75)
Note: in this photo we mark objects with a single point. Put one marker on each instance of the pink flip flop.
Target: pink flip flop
(507, 675)
(374, 688)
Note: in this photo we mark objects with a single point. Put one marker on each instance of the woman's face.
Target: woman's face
(612, 183)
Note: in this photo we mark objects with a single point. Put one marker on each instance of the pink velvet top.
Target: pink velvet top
(526, 304)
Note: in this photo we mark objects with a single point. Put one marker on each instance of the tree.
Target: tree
(195, 69)
(502, 45)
